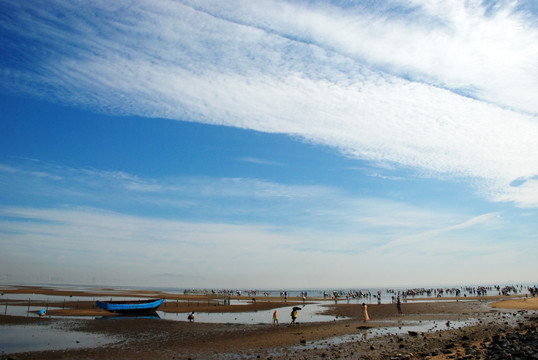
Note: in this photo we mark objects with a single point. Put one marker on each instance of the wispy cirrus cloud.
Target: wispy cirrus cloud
(260, 161)
(198, 196)
(322, 209)
(478, 49)
(446, 89)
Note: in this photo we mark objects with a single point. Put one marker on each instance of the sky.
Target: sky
(269, 144)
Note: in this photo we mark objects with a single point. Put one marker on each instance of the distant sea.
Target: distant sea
(369, 295)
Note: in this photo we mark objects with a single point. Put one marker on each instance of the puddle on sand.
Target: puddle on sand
(23, 338)
(308, 313)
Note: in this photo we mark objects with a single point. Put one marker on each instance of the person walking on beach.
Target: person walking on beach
(191, 317)
(365, 307)
(293, 316)
(399, 306)
(275, 318)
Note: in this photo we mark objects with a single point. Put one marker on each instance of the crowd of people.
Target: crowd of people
(461, 291)
(377, 294)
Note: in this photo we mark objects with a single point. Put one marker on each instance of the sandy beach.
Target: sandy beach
(430, 328)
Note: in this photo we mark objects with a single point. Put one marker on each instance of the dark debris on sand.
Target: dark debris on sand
(520, 344)
(489, 341)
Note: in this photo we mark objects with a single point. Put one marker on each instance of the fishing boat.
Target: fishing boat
(130, 306)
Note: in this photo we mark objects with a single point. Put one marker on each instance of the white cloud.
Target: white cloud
(526, 194)
(490, 51)
(378, 85)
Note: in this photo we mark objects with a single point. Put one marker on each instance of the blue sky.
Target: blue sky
(269, 144)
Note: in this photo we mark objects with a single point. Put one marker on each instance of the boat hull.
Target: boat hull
(131, 306)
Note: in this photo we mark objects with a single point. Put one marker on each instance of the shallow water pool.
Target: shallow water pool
(308, 313)
(23, 338)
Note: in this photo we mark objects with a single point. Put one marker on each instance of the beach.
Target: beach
(435, 328)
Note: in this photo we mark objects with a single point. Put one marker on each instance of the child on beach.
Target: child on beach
(293, 316)
(191, 317)
(275, 318)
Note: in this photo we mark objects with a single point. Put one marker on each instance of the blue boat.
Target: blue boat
(130, 306)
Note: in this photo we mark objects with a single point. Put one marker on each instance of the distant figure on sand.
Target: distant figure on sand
(191, 317)
(365, 307)
(399, 306)
(275, 318)
(293, 316)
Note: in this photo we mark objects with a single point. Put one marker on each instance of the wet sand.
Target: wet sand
(351, 338)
